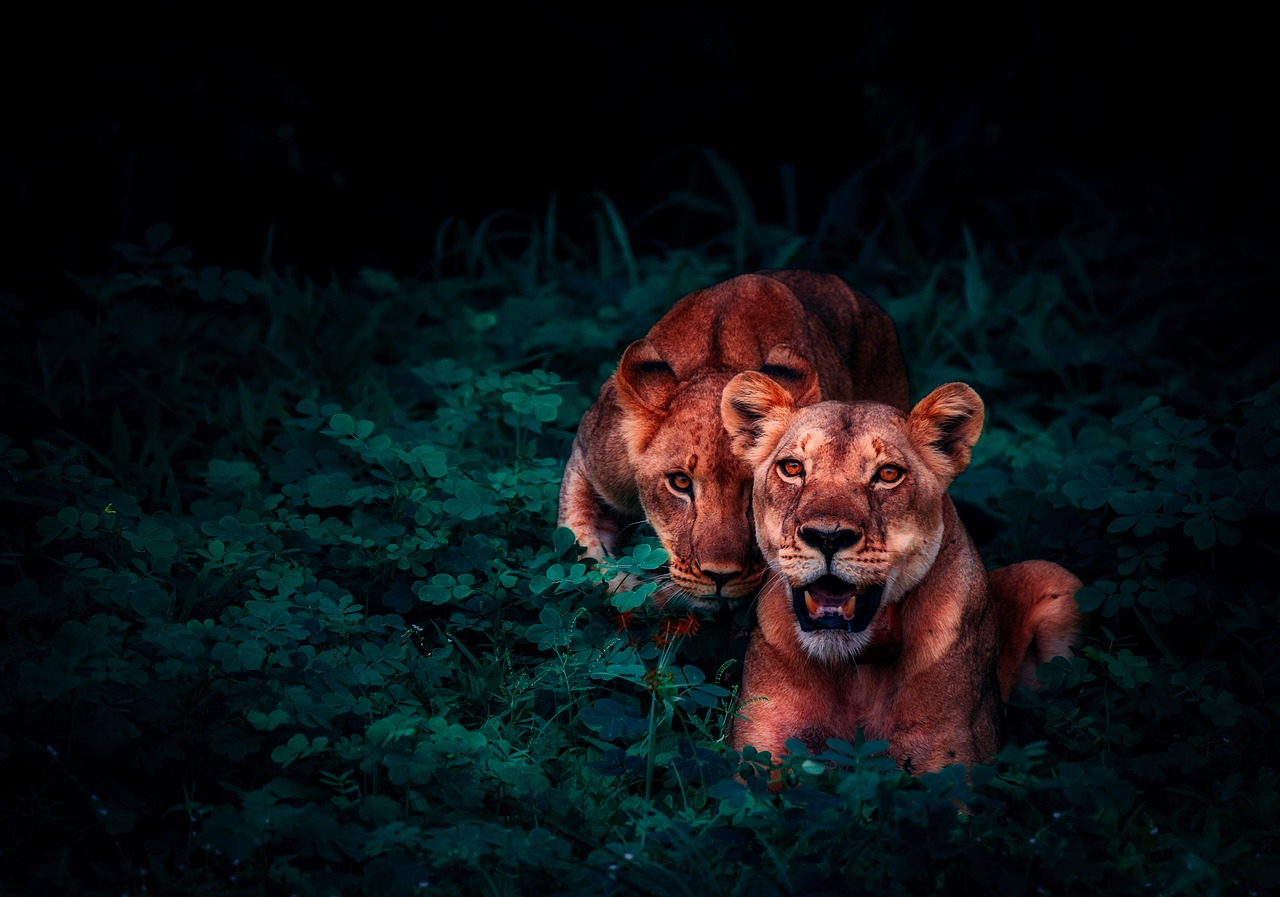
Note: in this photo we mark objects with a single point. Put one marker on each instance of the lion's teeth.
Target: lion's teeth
(810, 603)
(846, 609)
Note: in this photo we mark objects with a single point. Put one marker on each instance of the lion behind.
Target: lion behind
(653, 446)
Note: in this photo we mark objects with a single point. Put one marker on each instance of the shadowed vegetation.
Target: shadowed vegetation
(285, 610)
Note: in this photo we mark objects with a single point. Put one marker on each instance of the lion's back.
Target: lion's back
(731, 326)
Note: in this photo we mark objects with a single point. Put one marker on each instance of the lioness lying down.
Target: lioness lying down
(876, 613)
(652, 446)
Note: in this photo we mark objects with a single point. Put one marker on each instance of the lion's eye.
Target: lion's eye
(889, 474)
(681, 482)
(790, 467)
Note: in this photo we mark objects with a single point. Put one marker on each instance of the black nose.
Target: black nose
(720, 579)
(829, 541)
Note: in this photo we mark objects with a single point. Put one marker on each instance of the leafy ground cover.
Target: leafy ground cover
(285, 610)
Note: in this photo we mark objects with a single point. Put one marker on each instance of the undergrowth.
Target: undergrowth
(286, 611)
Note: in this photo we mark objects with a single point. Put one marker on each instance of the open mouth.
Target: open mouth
(830, 603)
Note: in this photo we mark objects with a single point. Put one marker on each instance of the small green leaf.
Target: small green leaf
(562, 539)
(1221, 707)
(158, 236)
(612, 720)
(343, 424)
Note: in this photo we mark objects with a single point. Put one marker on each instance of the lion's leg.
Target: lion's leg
(772, 706)
(1039, 619)
(596, 524)
(582, 510)
(759, 721)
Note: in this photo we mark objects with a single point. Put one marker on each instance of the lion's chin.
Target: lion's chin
(694, 595)
(829, 604)
(711, 603)
(674, 597)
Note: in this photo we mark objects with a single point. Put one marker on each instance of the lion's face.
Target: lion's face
(848, 502)
(694, 490)
(697, 496)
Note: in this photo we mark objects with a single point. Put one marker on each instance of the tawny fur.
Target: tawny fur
(659, 416)
(1039, 619)
(929, 672)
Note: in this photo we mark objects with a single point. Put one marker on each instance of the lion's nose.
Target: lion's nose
(721, 577)
(829, 541)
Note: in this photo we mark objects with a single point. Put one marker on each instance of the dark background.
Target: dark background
(341, 144)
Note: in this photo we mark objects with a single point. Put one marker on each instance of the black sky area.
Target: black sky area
(351, 143)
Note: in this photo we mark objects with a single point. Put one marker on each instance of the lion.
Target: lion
(877, 614)
(653, 446)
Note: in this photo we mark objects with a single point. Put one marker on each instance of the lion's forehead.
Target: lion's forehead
(835, 438)
(693, 428)
(696, 446)
(692, 438)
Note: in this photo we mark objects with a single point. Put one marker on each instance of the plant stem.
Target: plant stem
(649, 763)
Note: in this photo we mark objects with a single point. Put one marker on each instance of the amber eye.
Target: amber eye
(889, 474)
(790, 467)
(681, 482)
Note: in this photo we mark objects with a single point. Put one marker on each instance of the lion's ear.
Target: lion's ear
(794, 373)
(755, 409)
(644, 382)
(945, 425)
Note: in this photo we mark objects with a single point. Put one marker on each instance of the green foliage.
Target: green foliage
(286, 610)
